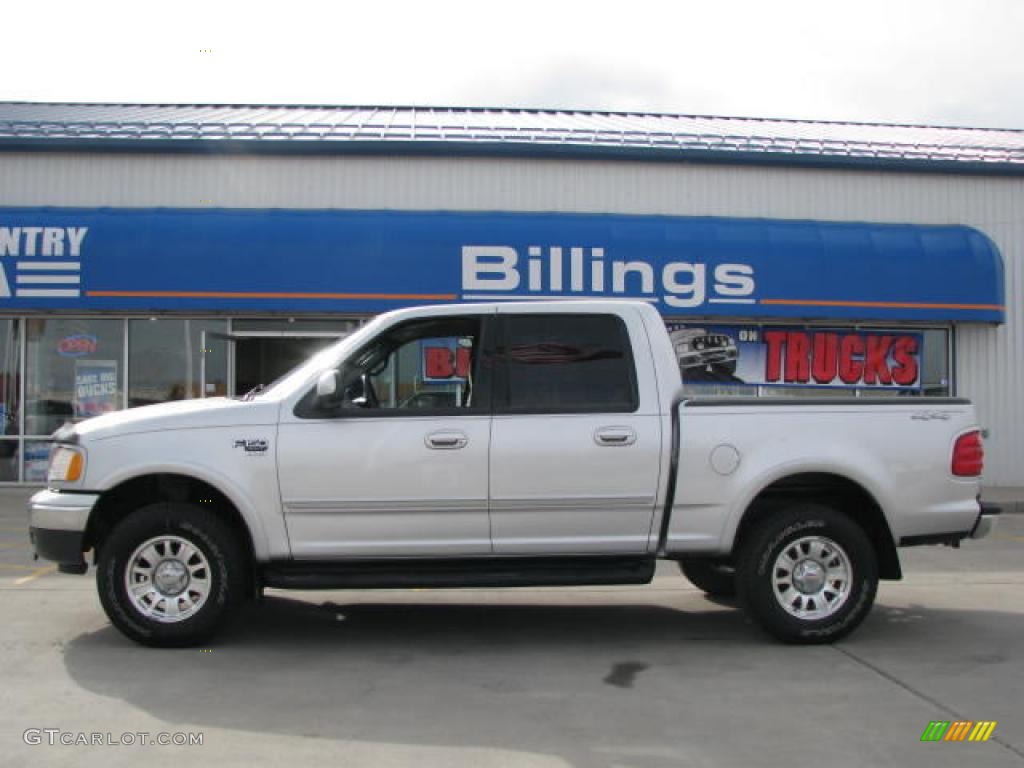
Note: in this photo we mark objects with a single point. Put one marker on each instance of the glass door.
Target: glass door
(260, 360)
(216, 364)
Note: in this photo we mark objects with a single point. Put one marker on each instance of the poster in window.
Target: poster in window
(37, 461)
(798, 357)
(446, 360)
(95, 387)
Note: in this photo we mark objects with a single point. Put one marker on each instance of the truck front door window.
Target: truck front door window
(423, 367)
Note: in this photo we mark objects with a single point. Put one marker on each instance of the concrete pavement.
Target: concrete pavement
(634, 676)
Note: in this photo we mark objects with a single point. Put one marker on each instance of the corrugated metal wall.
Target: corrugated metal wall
(990, 361)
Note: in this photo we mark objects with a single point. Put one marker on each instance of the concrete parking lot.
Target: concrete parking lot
(635, 676)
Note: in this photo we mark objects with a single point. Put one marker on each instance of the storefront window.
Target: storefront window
(811, 361)
(295, 325)
(10, 400)
(935, 366)
(10, 375)
(9, 452)
(74, 370)
(166, 359)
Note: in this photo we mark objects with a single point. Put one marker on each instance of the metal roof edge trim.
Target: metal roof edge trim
(530, 110)
(502, 149)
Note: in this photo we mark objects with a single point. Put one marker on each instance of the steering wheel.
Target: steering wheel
(369, 392)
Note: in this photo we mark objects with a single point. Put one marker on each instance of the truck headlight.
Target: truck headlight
(66, 465)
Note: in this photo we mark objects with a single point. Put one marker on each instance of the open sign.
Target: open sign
(77, 345)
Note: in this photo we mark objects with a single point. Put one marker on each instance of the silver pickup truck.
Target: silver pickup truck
(505, 445)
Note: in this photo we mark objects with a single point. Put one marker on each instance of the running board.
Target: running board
(475, 572)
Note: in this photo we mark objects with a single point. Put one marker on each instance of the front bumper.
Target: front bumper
(57, 527)
(986, 521)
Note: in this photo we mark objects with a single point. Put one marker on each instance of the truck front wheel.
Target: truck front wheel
(807, 574)
(169, 574)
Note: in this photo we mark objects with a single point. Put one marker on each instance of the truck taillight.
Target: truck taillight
(968, 455)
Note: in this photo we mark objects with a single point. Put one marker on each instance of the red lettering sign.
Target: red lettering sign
(446, 363)
(439, 363)
(904, 353)
(830, 358)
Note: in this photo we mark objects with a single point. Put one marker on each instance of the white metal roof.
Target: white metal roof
(281, 128)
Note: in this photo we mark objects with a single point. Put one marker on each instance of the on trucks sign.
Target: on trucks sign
(798, 357)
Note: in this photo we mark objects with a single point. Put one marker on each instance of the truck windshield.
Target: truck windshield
(321, 361)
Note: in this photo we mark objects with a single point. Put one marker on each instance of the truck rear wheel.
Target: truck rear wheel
(712, 577)
(169, 574)
(808, 574)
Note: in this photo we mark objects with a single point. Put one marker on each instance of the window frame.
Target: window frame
(502, 382)
(306, 410)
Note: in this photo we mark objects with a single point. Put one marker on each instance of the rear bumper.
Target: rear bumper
(983, 525)
(57, 527)
(986, 521)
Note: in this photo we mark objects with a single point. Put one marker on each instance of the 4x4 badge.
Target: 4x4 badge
(930, 416)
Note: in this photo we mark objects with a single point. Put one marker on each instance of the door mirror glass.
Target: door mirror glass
(327, 385)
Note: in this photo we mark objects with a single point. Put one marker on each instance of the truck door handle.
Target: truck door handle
(612, 436)
(446, 441)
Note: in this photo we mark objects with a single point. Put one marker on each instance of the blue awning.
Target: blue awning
(369, 261)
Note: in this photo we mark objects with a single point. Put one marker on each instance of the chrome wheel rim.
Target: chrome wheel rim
(168, 579)
(811, 578)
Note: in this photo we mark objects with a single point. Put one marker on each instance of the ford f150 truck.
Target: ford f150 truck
(505, 445)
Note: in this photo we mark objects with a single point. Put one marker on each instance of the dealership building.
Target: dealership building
(159, 252)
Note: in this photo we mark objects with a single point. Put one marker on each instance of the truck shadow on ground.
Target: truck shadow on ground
(636, 684)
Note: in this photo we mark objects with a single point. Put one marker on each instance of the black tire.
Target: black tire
(710, 576)
(755, 574)
(204, 531)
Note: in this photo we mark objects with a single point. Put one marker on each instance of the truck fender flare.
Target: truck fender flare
(742, 506)
(237, 496)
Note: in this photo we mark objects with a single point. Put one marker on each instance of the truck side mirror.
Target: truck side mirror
(327, 385)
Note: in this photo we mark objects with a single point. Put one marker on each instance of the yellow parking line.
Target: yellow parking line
(35, 575)
(18, 567)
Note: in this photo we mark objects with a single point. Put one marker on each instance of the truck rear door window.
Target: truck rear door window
(565, 364)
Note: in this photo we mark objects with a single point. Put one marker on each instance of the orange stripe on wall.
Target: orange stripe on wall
(270, 295)
(882, 304)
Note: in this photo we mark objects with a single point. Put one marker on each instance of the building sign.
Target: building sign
(47, 261)
(798, 357)
(95, 388)
(370, 261)
(445, 361)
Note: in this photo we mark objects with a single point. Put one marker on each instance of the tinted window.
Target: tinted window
(565, 363)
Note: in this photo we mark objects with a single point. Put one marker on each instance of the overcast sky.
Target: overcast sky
(942, 62)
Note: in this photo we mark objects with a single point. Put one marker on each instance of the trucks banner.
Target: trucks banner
(798, 357)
